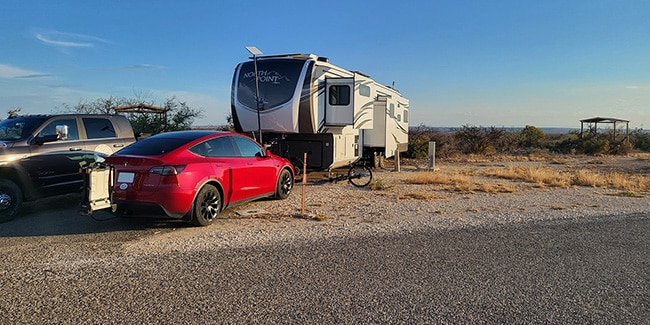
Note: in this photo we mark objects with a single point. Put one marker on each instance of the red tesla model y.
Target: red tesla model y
(193, 175)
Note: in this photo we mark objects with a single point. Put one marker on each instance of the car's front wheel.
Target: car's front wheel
(207, 206)
(284, 185)
(11, 198)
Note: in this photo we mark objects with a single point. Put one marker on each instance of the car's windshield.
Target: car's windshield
(17, 128)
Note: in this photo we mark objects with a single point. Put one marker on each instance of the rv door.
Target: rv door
(339, 101)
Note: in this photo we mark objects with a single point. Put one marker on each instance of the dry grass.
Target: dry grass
(378, 185)
(627, 194)
(416, 196)
(461, 181)
(540, 176)
(629, 174)
(545, 176)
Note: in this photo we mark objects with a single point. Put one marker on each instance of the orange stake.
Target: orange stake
(304, 183)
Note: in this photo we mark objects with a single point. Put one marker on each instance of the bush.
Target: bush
(531, 137)
(640, 140)
(479, 140)
(530, 140)
(419, 139)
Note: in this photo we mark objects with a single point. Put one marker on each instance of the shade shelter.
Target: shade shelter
(608, 120)
(144, 109)
(141, 108)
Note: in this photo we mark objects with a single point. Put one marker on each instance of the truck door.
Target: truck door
(54, 165)
(339, 101)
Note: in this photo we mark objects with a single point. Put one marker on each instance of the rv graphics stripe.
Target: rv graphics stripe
(368, 106)
(399, 126)
(305, 118)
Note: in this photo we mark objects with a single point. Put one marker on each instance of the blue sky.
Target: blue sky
(483, 63)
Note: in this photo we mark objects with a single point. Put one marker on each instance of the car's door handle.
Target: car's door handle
(75, 149)
(249, 164)
(118, 145)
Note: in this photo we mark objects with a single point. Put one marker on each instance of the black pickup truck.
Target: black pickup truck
(41, 155)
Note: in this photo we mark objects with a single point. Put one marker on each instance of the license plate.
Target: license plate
(125, 177)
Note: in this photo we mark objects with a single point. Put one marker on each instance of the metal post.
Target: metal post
(398, 163)
(432, 155)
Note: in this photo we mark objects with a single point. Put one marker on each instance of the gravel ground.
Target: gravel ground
(576, 255)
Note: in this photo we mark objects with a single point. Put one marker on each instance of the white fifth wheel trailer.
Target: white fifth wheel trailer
(306, 104)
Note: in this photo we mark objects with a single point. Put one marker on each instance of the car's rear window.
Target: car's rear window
(152, 146)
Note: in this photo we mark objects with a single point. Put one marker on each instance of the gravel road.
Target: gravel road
(575, 255)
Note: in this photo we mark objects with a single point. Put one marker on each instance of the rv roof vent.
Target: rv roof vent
(323, 59)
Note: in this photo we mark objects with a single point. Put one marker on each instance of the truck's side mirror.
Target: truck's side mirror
(62, 132)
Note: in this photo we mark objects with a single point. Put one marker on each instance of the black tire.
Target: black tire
(284, 185)
(11, 198)
(360, 176)
(207, 206)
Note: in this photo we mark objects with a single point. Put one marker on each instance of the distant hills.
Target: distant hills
(444, 129)
(549, 130)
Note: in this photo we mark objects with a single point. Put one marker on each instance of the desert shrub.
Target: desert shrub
(479, 140)
(531, 137)
(474, 140)
(640, 140)
(420, 137)
(592, 144)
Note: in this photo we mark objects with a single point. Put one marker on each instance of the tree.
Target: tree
(13, 112)
(531, 136)
(99, 106)
(177, 115)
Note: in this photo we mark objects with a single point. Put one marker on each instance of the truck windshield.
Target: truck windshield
(277, 79)
(17, 128)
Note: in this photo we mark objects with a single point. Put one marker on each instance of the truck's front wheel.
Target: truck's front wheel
(11, 198)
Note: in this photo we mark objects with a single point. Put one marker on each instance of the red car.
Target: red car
(193, 175)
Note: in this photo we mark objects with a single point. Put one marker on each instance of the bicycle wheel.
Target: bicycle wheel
(360, 176)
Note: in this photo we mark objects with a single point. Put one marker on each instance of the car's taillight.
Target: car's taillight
(167, 170)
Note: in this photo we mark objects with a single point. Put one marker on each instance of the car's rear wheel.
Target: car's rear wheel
(10, 199)
(207, 206)
(284, 185)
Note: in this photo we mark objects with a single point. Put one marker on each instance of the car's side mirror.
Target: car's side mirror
(265, 154)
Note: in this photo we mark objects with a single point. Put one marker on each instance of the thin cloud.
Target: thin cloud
(11, 72)
(143, 66)
(68, 39)
(35, 76)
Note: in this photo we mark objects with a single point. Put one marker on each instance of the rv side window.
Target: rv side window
(339, 95)
(406, 116)
(364, 90)
(391, 111)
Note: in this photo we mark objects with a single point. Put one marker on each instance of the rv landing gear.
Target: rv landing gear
(379, 160)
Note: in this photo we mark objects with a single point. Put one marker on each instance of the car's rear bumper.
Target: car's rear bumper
(145, 209)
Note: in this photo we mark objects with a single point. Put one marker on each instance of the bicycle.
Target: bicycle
(358, 175)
